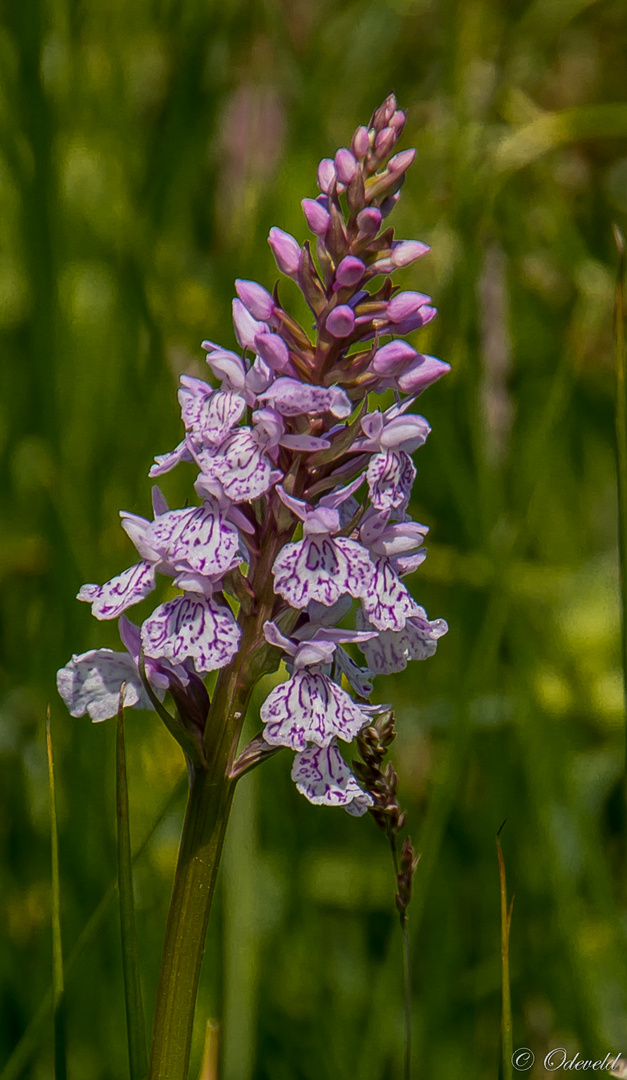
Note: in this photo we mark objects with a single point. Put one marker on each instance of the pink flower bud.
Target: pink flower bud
(420, 375)
(360, 143)
(392, 358)
(401, 162)
(326, 175)
(405, 252)
(341, 321)
(345, 166)
(384, 142)
(369, 220)
(397, 121)
(349, 271)
(316, 216)
(273, 350)
(405, 304)
(286, 251)
(255, 299)
(420, 318)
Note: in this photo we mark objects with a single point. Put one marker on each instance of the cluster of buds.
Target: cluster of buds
(286, 542)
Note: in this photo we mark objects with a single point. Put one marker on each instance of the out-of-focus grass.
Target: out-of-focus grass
(144, 153)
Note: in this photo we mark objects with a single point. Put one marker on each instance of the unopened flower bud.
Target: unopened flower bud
(384, 142)
(349, 271)
(345, 166)
(369, 220)
(341, 321)
(316, 216)
(273, 350)
(326, 175)
(384, 113)
(257, 300)
(419, 375)
(397, 121)
(401, 162)
(405, 252)
(405, 304)
(392, 358)
(286, 251)
(360, 143)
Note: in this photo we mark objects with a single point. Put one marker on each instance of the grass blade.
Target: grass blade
(209, 1065)
(507, 1045)
(621, 445)
(58, 1000)
(135, 1026)
(28, 1043)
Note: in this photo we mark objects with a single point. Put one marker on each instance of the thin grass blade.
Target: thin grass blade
(507, 1045)
(29, 1041)
(621, 447)
(58, 992)
(209, 1065)
(135, 1025)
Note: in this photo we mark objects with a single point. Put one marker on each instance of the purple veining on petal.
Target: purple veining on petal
(128, 588)
(390, 477)
(322, 568)
(391, 651)
(387, 603)
(241, 466)
(309, 707)
(192, 627)
(197, 538)
(165, 462)
(210, 416)
(324, 778)
(293, 398)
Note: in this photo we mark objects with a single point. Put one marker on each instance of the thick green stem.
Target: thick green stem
(204, 830)
(203, 835)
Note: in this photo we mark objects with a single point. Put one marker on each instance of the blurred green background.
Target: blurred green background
(145, 151)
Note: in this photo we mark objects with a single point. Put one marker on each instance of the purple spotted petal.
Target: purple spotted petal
(387, 603)
(321, 568)
(390, 477)
(241, 466)
(310, 708)
(192, 627)
(209, 414)
(128, 588)
(293, 398)
(165, 462)
(197, 538)
(391, 651)
(91, 683)
(323, 777)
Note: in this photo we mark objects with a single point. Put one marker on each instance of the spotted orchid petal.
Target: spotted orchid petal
(241, 466)
(198, 538)
(209, 414)
(309, 707)
(391, 651)
(390, 477)
(165, 462)
(128, 588)
(293, 398)
(194, 627)
(91, 684)
(323, 777)
(322, 568)
(387, 603)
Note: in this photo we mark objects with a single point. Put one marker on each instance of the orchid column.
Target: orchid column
(304, 486)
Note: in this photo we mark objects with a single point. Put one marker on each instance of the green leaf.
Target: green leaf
(135, 1026)
(58, 993)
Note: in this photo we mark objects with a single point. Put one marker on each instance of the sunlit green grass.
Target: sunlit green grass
(145, 151)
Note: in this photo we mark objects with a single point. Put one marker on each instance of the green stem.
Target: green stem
(204, 830)
(621, 447)
(58, 989)
(203, 835)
